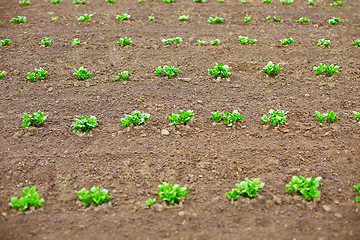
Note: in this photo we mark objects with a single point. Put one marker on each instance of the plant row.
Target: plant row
(307, 187)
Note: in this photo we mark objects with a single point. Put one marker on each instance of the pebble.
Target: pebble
(327, 208)
(182, 213)
(338, 215)
(165, 132)
(50, 89)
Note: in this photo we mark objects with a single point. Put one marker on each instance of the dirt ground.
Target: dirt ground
(207, 158)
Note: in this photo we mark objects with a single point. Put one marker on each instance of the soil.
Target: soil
(207, 158)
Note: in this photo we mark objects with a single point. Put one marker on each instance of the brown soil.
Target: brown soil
(205, 157)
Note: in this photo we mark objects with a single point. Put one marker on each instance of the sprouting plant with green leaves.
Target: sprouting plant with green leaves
(323, 42)
(85, 17)
(220, 1)
(34, 119)
(183, 117)
(46, 41)
(286, 41)
(246, 188)
(266, 1)
(275, 117)
(215, 42)
(141, 1)
(56, 1)
(85, 124)
(216, 116)
(288, 2)
(5, 42)
(82, 2)
(150, 201)
(247, 19)
(170, 71)
(214, 20)
(124, 41)
(200, 1)
(303, 20)
(268, 17)
(123, 75)
(82, 73)
(220, 70)
(231, 118)
(25, 2)
(334, 21)
(245, 40)
(31, 76)
(54, 19)
(201, 42)
(40, 73)
(94, 196)
(357, 188)
(184, 17)
(276, 19)
(172, 193)
(76, 41)
(337, 3)
(19, 19)
(244, 1)
(169, 41)
(308, 187)
(331, 69)
(151, 18)
(330, 116)
(2, 74)
(310, 2)
(356, 43)
(29, 198)
(357, 115)
(123, 17)
(271, 69)
(110, 1)
(319, 70)
(168, 1)
(136, 118)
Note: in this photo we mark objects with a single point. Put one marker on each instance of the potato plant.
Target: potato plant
(2, 74)
(82, 73)
(215, 42)
(220, 70)
(136, 118)
(85, 17)
(94, 196)
(212, 20)
(170, 71)
(356, 43)
(310, 2)
(230, 118)
(124, 41)
(323, 42)
(200, 1)
(183, 118)
(247, 19)
(172, 193)
(276, 19)
(35, 119)
(337, 3)
(56, 1)
(5, 42)
(82, 2)
(266, 1)
(25, 2)
(334, 21)
(46, 41)
(168, 1)
(184, 17)
(110, 1)
(308, 187)
(357, 188)
(123, 17)
(40, 73)
(286, 41)
(245, 40)
(201, 42)
(77, 42)
(150, 201)
(169, 41)
(357, 115)
(246, 188)
(329, 69)
(123, 75)
(303, 20)
(85, 124)
(330, 116)
(19, 19)
(29, 198)
(272, 69)
(275, 117)
(288, 2)
(151, 18)
(244, 1)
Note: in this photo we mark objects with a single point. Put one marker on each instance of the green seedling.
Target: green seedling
(110, 1)
(311, 2)
(272, 69)
(356, 43)
(200, 1)
(124, 41)
(246, 188)
(151, 18)
(305, 186)
(319, 70)
(168, 1)
(35, 119)
(275, 117)
(170, 71)
(183, 117)
(172, 193)
(184, 17)
(201, 43)
(216, 116)
(266, 1)
(2, 74)
(288, 2)
(220, 70)
(150, 202)
(76, 41)
(215, 20)
(220, 1)
(136, 118)
(334, 21)
(29, 198)
(357, 115)
(123, 17)
(54, 19)
(94, 196)
(169, 41)
(82, 2)
(247, 19)
(244, 1)
(85, 17)
(46, 41)
(231, 118)
(31, 76)
(123, 75)
(85, 124)
(323, 42)
(56, 1)
(330, 116)
(338, 3)
(19, 19)
(286, 41)
(276, 19)
(141, 1)
(331, 69)
(303, 20)
(268, 17)
(357, 187)
(5, 42)
(40, 73)
(215, 42)
(82, 73)
(25, 2)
